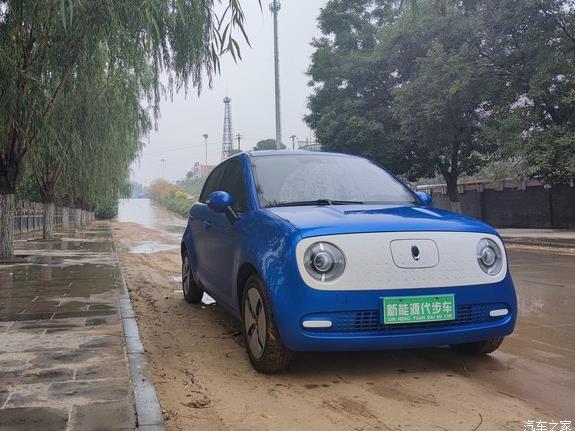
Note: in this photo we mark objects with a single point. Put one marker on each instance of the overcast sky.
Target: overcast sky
(250, 85)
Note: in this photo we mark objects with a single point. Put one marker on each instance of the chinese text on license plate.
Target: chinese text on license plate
(414, 309)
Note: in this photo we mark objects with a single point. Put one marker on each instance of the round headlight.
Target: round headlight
(489, 256)
(324, 261)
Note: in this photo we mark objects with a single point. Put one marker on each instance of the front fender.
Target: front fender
(268, 244)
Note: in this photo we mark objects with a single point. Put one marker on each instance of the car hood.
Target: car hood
(340, 219)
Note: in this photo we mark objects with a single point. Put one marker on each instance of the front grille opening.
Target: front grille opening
(369, 321)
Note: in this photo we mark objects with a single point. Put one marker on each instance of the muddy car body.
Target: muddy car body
(330, 252)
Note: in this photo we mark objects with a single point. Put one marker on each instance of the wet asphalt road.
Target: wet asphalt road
(536, 363)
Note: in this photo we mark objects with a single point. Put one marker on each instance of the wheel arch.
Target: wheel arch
(246, 271)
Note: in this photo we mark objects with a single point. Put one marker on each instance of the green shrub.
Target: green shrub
(171, 196)
(107, 212)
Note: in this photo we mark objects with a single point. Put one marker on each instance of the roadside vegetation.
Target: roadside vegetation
(171, 196)
(80, 88)
(192, 186)
(444, 88)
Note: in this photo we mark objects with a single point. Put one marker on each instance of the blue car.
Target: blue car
(330, 252)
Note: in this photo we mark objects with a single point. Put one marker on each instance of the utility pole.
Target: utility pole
(293, 138)
(239, 138)
(205, 135)
(275, 7)
(163, 166)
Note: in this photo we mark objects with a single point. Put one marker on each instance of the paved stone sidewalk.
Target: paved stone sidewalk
(63, 364)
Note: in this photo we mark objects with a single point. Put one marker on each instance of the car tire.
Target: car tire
(265, 348)
(193, 293)
(479, 348)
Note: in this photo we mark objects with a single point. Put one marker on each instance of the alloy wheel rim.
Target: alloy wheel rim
(255, 323)
(186, 276)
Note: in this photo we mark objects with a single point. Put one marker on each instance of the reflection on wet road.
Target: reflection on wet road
(62, 356)
(147, 213)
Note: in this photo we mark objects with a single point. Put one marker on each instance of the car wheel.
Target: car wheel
(479, 348)
(263, 343)
(193, 293)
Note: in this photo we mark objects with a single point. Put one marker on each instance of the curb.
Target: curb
(566, 244)
(149, 415)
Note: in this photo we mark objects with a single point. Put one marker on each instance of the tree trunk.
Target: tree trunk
(7, 207)
(453, 193)
(9, 170)
(48, 224)
(78, 217)
(65, 217)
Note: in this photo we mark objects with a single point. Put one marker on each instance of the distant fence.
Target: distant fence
(29, 217)
(525, 204)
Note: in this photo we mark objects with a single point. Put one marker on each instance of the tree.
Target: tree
(43, 44)
(407, 92)
(352, 88)
(444, 87)
(267, 144)
(441, 99)
(531, 47)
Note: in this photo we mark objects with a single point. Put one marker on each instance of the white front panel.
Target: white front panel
(370, 263)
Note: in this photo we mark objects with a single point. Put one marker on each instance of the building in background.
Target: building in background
(201, 171)
(309, 146)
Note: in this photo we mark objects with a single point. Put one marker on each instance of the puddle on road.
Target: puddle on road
(150, 247)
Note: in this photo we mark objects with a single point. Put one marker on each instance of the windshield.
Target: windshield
(326, 179)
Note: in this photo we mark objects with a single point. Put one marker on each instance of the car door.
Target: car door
(224, 233)
(200, 221)
(223, 236)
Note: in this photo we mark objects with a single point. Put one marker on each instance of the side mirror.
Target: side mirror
(219, 201)
(425, 198)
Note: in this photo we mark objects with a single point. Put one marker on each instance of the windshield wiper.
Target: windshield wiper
(314, 202)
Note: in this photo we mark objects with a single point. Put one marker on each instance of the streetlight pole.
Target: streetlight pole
(205, 135)
(163, 166)
(239, 138)
(275, 6)
(293, 138)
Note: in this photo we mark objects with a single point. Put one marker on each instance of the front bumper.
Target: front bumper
(356, 319)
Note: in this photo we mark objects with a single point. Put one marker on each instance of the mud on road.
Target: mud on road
(205, 382)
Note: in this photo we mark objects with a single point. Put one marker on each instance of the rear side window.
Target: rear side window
(234, 183)
(212, 183)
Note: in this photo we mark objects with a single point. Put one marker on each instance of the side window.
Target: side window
(212, 183)
(234, 183)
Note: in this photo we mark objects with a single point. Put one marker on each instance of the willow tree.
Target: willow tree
(109, 140)
(85, 162)
(43, 42)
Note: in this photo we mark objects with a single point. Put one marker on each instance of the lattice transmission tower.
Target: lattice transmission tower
(228, 141)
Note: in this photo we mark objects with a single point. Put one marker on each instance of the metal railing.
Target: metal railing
(29, 217)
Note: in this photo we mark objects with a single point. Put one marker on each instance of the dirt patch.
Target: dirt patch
(204, 380)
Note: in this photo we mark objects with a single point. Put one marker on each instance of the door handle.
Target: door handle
(207, 224)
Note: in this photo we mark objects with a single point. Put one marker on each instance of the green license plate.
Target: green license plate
(417, 309)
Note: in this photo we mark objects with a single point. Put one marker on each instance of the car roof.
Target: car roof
(276, 153)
